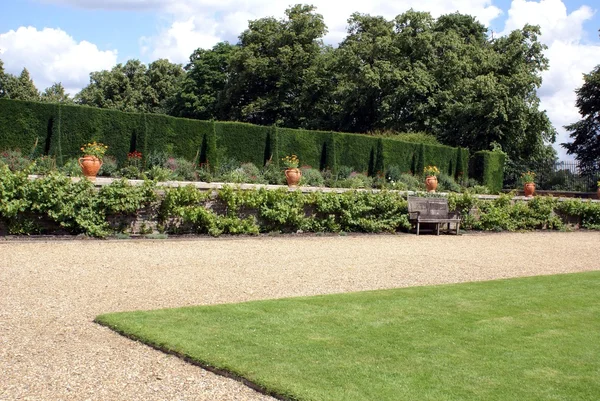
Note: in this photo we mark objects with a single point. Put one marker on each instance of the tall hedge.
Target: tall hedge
(60, 130)
(488, 168)
(314, 148)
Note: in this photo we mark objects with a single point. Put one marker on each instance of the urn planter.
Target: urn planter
(431, 183)
(529, 189)
(90, 165)
(293, 176)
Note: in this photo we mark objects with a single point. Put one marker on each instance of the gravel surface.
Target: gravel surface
(50, 291)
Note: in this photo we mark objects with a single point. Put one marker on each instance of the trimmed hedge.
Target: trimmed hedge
(488, 168)
(60, 130)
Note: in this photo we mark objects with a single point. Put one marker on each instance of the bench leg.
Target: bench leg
(457, 227)
(417, 228)
(437, 225)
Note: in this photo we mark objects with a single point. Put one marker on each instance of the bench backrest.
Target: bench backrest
(437, 207)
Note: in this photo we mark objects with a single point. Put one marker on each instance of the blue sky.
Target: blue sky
(65, 40)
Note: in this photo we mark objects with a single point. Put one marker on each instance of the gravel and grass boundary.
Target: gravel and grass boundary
(52, 290)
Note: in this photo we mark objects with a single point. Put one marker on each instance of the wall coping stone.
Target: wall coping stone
(211, 186)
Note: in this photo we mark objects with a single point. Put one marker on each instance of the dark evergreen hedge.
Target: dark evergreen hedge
(59, 130)
(488, 167)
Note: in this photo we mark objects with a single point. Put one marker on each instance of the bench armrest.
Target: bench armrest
(413, 215)
(453, 215)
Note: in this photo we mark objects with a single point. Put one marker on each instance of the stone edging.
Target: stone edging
(211, 186)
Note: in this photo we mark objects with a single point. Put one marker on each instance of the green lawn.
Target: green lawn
(534, 338)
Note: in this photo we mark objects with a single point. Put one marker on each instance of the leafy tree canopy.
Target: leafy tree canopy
(586, 132)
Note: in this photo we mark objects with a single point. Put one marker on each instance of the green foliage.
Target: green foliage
(273, 174)
(158, 173)
(587, 212)
(488, 167)
(44, 165)
(55, 202)
(312, 177)
(56, 94)
(586, 132)
(413, 137)
(130, 172)
(122, 197)
(14, 160)
(447, 183)
(109, 167)
(182, 169)
(157, 158)
(72, 168)
(59, 131)
(133, 87)
(75, 207)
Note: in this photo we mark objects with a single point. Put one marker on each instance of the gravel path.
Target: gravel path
(50, 291)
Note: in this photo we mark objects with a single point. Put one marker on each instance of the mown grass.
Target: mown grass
(534, 338)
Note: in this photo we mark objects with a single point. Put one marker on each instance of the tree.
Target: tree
(365, 71)
(18, 88)
(499, 104)
(120, 88)
(56, 94)
(586, 132)
(133, 87)
(163, 80)
(202, 91)
(272, 68)
(2, 80)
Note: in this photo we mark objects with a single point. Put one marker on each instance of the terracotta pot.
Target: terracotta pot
(90, 165)
(598, 193)
(293, 176)
(431, 183)
(529, 188)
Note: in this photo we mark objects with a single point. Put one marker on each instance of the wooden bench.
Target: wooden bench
(431, 211)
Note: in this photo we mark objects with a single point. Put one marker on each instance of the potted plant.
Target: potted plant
(92, 159)
(528, 179)
(292, 172)
(431, 173)
(598, 190)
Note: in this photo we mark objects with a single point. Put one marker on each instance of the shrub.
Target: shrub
(157, 173)
(182, 169)
(344, 172)
(447, 183)
(252, 174)
(71, 168)
(273, 175)
(15, 160)
(411, 182)
(130, 172)
(44, 165)
(356, 180)
(109, 167)
(226, 166)
(157, 158)
(312, 177)
(393, 173)
(203, 174)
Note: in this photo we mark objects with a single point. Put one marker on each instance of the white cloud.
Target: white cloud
(179, 41)
(568, 63)
(551, 16)
(569, 56)
(202, 23)
(51, 55)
